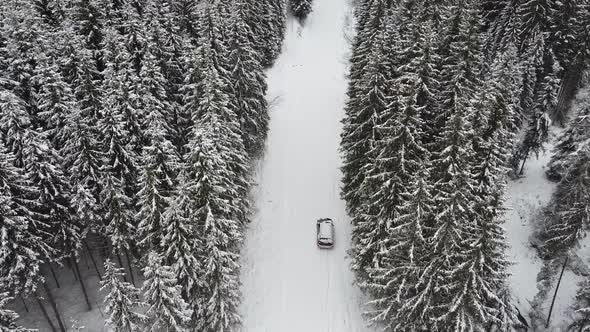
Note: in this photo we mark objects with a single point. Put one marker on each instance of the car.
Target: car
(325, 233)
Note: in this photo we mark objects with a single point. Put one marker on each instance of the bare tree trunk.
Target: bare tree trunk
(54, 306)
(129, 266)
(24, 304)
(77, 271)
(93, 261)
(556, 289)
(120, 262)
(45, 313)
(54, 276)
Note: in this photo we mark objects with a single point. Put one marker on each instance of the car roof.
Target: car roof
(326, 229)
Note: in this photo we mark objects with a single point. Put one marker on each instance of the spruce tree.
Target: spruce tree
(569, 142)
(398, 286)
(160, 166)
(248, 83)
(359, 123)
(217, 159)
(360, 153)
(166, 308)
(43, 166)
(582, 308)
(180, 240)
(122, 301)
(567, 217)
(55, 101)
(8, 317)
(300, 8)
(23, 252)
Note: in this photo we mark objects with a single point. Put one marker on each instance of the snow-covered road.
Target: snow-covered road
(288, 283)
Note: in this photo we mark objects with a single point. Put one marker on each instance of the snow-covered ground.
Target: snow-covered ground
(525, 198)
(288, 283)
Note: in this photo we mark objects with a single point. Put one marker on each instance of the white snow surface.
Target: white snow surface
(288, 283)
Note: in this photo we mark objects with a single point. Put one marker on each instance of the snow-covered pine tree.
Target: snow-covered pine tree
(88, 87)
(400, 290)
(55, 100)
(87, 19)
(122, 301)
(82, 163)
(537, 132)
(248, 82)
(118, 215)
(403, 200)
(217, 170)
(166, 309)
(461, 295)
(152, 89)
(22, 252)
(160, 164)
(49, 11)
(135, 34)
(122, 94)
(14, 124)
(360, 153)
(180, 240)
(570, 142)
(22, 47)
(534, 17)
(168, 46)
(300, 8)
(43, 166)
(266, 19)
(8, 317)
(581, 321)
(503, 29)
(568, 215)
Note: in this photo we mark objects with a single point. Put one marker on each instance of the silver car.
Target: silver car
(325, 233)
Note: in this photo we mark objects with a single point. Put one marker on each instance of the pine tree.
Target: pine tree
(160, 165)
(119, 176)
(300, 8)
(152, 89)
(359, 123)
(122, 90)
(534, 17)
(82, 160)
(88, 89)
(121, 301)
(23, 252)
(582, 308)
(89, 23)
(8, 317)
(538, 127)
(14, 124)
(397, 285)
(43, 166)
(569, 142)
(55, 101)
(180, 240)
(360, 152)
(217, 159)
(248, 83)
(166, 308)
(267, 19)
(568, 215)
